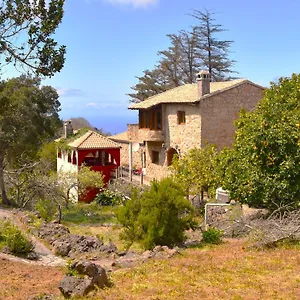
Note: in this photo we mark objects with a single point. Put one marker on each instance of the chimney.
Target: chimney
(203, 82)
(68, 129)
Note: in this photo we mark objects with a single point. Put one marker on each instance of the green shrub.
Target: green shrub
(108, 198)
(47, 209)
(14, 239)
(158, 216)
(212, 236)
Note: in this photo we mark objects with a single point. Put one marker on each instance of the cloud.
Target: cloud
(63, 92)
(134, 3)
(91, 104)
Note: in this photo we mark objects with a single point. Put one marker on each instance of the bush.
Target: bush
(14, 239)
(158, 216)
(47, 209)
(108, 198)
(212, 236)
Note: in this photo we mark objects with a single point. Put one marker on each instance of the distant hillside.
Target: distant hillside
(80, 122)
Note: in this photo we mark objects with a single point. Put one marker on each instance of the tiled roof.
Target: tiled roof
(93, 140)
(120, 137)
(188, 93)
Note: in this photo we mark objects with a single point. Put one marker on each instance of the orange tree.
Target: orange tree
(263, 168)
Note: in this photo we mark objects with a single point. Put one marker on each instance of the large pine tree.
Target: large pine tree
(189, 52)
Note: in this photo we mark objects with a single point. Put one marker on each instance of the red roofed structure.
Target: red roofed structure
(93, 150)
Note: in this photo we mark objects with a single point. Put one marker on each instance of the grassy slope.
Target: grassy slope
(227, 271)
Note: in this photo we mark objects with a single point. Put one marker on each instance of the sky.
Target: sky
(110, 42)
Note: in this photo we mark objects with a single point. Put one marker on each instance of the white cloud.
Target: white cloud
(64, 92)
(91, 104)
(135, 3)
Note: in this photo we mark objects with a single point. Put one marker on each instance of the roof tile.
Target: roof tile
(93, 140)
(187, 93)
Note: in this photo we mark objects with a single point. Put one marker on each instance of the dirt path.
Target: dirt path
(45, 256)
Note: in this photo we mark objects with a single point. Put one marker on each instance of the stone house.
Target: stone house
(185, 117)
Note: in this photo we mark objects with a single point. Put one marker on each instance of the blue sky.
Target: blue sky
(109, 42)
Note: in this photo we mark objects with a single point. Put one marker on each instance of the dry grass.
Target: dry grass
(227, 271)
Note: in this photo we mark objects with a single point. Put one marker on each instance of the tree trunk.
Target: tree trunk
(5, 200)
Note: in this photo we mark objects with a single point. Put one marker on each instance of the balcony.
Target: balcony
(151, 135)
(140, 135)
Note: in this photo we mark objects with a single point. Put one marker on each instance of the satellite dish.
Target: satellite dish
(135, 147)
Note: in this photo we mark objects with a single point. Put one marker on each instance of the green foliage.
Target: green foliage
(212, 236)
(46, 208)
(28, 119)
(158, 216)
(47, 155)
(84, 213)
(195, 170)
(14, 239)
(35, 21)
(108, 198)
(264, 168)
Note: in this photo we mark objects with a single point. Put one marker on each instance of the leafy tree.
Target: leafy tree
(158, 216)
(213, 53)
(265, 163)
(28, 118)
(195, 170)
(26, 29)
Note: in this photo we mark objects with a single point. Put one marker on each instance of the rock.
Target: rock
(92, 270)
(62, 248)
(147, 254)
(71, 286)
(32, 256)
(72, 244)
(51, 231)
(6, 250)
(109, 248)
(157, 249)
(191, 243)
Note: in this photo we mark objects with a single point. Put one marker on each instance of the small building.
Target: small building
(91, 149)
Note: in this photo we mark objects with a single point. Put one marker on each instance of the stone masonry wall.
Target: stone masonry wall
(220, 111)
(157, 171)
(185, 136)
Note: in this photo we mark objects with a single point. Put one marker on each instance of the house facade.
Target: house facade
(93, 150)
(189, 116)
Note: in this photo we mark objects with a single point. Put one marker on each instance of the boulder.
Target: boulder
(51, 231)
(92, 270)
(90, 275)
(109, 248)
(71, 286)
(72, 244)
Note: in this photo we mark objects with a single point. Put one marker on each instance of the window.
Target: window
(150, 119)
(181, 117)
(155, 157)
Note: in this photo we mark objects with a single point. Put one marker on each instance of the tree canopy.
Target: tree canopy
(188, 53)
(26, 29)
(263, 169)
(28, 118)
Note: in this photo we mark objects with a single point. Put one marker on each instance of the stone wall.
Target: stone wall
(220, 111)
(153, 170)
(184, 136)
